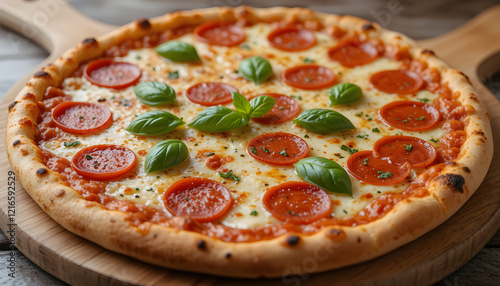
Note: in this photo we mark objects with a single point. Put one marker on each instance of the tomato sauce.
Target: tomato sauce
(448, 149)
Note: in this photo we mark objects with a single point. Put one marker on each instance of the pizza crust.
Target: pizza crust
(290, 254)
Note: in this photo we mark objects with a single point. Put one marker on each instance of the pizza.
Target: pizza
(249, 142)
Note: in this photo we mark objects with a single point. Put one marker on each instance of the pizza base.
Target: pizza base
(290, 254)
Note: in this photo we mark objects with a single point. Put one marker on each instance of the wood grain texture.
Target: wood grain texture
(424, 261)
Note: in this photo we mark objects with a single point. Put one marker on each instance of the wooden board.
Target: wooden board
(470, 49)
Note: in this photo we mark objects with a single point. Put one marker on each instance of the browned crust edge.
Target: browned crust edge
(331, 248)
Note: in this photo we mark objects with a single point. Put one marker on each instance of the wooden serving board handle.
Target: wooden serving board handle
(54, 24)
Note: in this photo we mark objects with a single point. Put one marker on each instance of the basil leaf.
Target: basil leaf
(323, 121)
(344, 93)
(178, 52)
(324, 173)
(155, 93)
(154, 123)
(165, 154)
(261, 105)
(256, 69)
(218, 119)
(241, 103)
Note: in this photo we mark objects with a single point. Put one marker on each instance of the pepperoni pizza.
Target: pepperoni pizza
(240, 142)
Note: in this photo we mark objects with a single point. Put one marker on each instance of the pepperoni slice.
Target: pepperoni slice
(309, 77)
(210, 93)
(278, 148)
(111, 74)
(409, 115)
(291, 39)
(353, 53)
(297, 202)
(418, 152)
(380, 171)
(201, 199)
(82, 117)
(103, 162)
(220, 34)
(285, 109)
(397, 81)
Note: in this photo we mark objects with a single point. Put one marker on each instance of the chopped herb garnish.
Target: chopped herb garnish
(136, 189)
(93, 117)
(408, 147)
(404, 121)
(420, 118)
(296, 97)
(71, 144)
(339, 155)
(379, 192)
(292, 213)
(364, 136)
(88, 157)
(375, 130)
(265, 150)
(359, 114)
(281, 108)
(81, 117)
(121, 195)
(245, 47)
(308, 79)
(434, 140)
(350, 150)
(253, 150)
(254, 213)
(365, 161)
(225, 147)
(173, 75)
(308, 60)
(138, 57)
(96, 164)
(284, 153)
(210, 154)
(384, 175)
(306, 136)
(344, 211)
(423, 99)
(229, 175)
(149, 190)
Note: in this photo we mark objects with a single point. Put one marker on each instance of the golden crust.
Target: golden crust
(330, 248)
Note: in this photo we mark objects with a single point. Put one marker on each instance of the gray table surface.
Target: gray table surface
(417, 19)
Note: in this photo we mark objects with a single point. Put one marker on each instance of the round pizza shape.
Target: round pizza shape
(241, 141)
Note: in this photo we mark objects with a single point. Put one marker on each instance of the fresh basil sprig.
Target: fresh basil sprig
(325, 174)
(165, 154)
(155, 93)
(178, 52)
(344, 93)
(256, 69)
(154, 123)
(219, 118)
(323, 121)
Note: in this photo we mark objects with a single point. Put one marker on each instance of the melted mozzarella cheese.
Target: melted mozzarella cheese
(220, 64)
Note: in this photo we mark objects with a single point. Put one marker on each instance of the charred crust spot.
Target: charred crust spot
(16, 142)
(144, 23)
(293, 240)
(359, 239)
(451, 163)
(59, 193)
(466, 169)
(42, 74)
(466, 77)
(228, 255)
(427, 51)
(368, 27)
(29, 96)
(90, 41)
(41, 171)
(101, 99)
(473, 98)
(480, 139)
(201, 244)
(334, 232)
(12, 105)
(112, 220)
(452, 180)
(480, 133)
